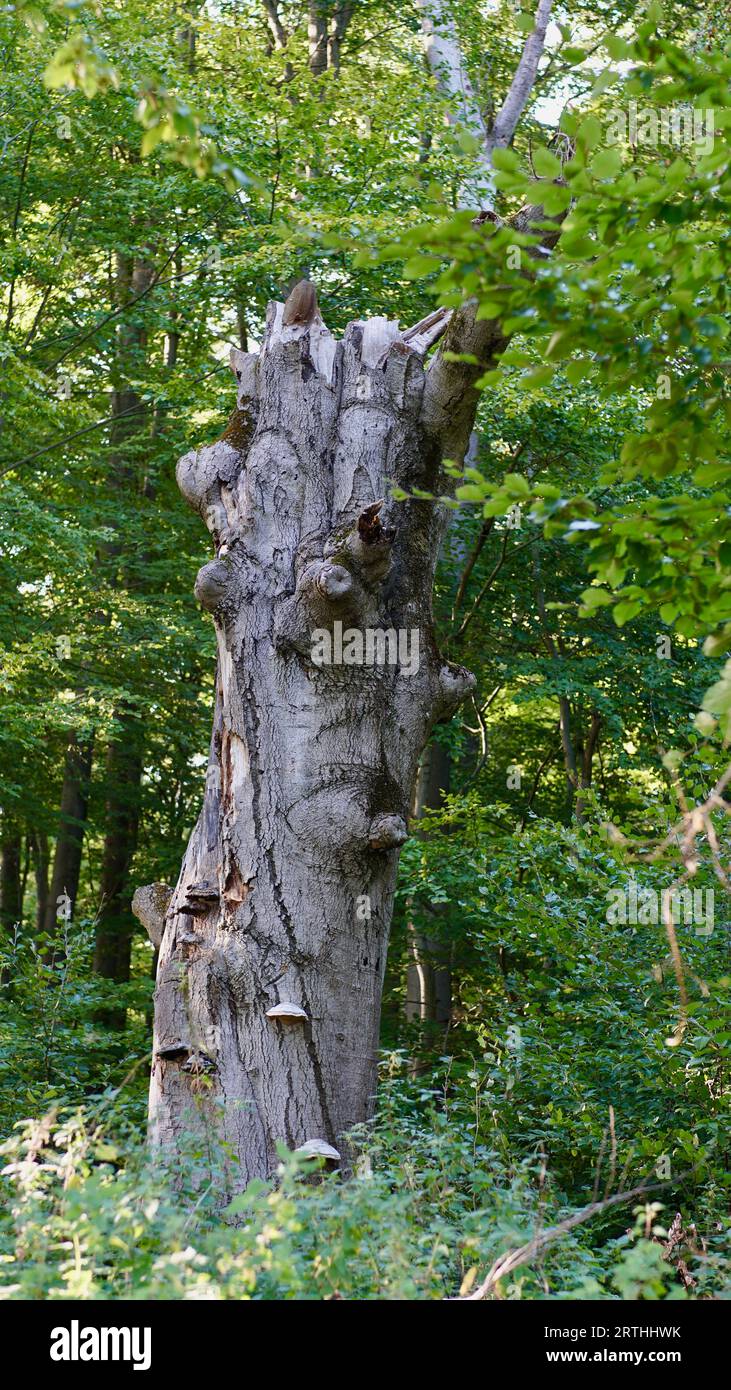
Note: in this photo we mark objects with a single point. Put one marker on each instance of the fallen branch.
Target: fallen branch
(513, 1259)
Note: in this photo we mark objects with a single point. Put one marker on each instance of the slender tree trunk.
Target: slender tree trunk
(40, 871)
(428, 976)
(11, 897)
(25, 870)
(587, 750)
(555, 647)
(115, 925)
(61, 900)
(342, 15)
(286, 890)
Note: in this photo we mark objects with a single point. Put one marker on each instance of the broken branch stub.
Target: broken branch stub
(150, 905)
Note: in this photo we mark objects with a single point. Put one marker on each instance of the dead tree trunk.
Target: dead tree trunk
(285, 895)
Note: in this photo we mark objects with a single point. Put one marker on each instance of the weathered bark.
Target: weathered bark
(286, 890)
(69, 841)
(284, 900)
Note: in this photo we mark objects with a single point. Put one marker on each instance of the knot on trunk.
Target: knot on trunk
(212, 584)
(387, 832)
(326, 591)
(206, 478)
(334, 582)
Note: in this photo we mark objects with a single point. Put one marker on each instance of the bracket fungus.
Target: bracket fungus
(317, 1148)
(200, 898)
(173, 1051)
(286, 1012)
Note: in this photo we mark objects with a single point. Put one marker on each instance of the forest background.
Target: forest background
(165, 171)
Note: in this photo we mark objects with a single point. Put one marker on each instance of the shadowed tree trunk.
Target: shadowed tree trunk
(115, 926)
(11, 897)
(39, 847)
(71, 825)
(428, 975)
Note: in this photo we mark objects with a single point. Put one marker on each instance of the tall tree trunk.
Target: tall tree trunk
(40, 872)
(114, 929)
(428, 976)
(115, 926)
(11, 897)
(71, 826)
(286, 890)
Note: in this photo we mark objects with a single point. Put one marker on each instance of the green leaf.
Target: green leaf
(589, 133)
(419, 266)
(540, 377)
(606, 164)
(618, 48)
(623, 612)
(577, 370)
(595, 598)
(506, 160)
(545, 164)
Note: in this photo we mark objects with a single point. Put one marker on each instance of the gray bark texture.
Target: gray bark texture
(285, 893)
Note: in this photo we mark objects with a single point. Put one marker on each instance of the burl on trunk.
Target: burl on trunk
(321, 713)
